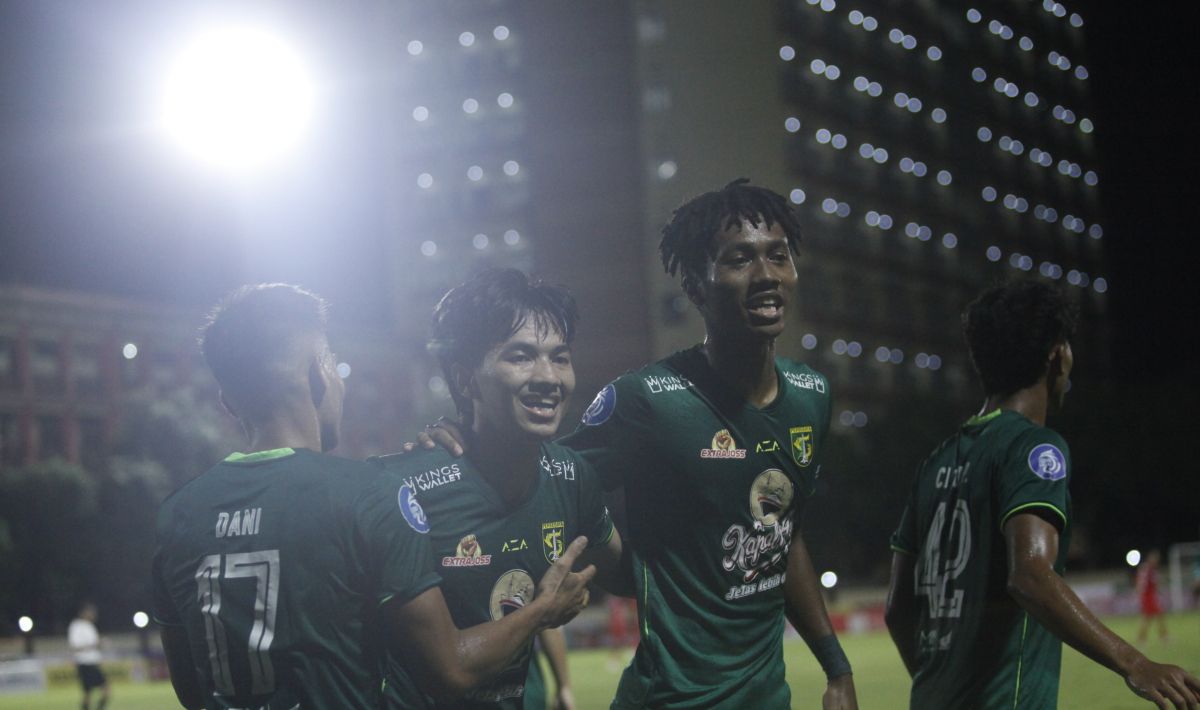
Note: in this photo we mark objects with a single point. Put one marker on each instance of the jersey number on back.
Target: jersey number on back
(935, 575)
(263, 567)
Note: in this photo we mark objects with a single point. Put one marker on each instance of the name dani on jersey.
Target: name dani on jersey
(239, 523)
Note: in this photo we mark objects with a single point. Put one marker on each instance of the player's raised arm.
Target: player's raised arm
(805, 609)
(447, 662)
(1032, 545)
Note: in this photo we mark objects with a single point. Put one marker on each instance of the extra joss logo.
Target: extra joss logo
(467, 554)
(723, 447)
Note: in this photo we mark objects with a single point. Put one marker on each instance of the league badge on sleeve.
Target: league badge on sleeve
(411, 509)
(1047, 462)
(601, 407)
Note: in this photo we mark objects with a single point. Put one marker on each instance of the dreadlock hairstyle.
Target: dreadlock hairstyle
(487, 310)
(1011, 328)
(687, 241)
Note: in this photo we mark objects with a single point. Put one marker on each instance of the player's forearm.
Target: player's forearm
(901, 611)
(804, 605)
(1048, 599)
(554, 643)
(179, 665)
(484, 650)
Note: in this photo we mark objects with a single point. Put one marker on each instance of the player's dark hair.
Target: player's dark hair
(687, 240)
(487, 310)
(253, 339)
(1011, 329)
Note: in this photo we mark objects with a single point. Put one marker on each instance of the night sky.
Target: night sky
(90, 201)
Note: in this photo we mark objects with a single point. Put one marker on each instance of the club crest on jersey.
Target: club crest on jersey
(511, 592)
(411, 509)
(467, 554)
(1047, 462)
(601, 407)
(723, 447)
(802, 444)
(553, 540)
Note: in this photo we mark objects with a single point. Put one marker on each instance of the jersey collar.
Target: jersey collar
(983, 418)
(239, 457)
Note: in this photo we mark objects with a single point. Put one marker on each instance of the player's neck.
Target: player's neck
(1031, 402)
(284, 429)
(510, 467)
(746, 367)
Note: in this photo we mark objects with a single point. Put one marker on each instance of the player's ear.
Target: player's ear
(318, 385)
(463, 382)
(1054, 361)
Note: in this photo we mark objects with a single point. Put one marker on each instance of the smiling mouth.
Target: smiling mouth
(767, 307)
(540, 407)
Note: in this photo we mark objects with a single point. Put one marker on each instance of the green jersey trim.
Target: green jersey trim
(239, 457)
(645, 601)
(984, 418)
(1020, 660)
(1004, 518)
(903, 551)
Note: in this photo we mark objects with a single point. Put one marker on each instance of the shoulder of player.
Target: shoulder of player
(800, 376)
(562, 462)
(411, 462)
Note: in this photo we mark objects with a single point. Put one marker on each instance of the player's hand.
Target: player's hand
(565, 699)
(1165, 685)
(839, 694)
(445, 433)
(563, 593)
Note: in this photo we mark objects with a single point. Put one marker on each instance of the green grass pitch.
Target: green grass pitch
(878, 675)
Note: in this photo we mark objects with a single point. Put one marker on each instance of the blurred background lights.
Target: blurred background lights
(428, 248)
(933, 53)
(817, 66)
(809, 341)
(979, 75)
(500, 32)
(667, 169)
(141, 619)
(949, 240)
(944, 177)
(344, 370)
(475, 173)
(129, 351)
(854, 348)
(839, 347)
(504, 100)
(787, 53)
(511, 167)
(993, 253)
(829, 580)
(973, 16)
(797, 196)
(1133, 558)
(791, 124)
(237, 98)
(480, 241)
(420, 113)
(415, 47)
(437, 385)
(984, 134)
(938, 115)
(424, 181)
(25, 624)
(470, 106)
(466, 39)
(823, 135)
(512, 237)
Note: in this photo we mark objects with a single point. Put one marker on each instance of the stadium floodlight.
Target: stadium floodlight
(141, 619)
(25, 624)
(829, 580)
(1133, 558)
(236, 98)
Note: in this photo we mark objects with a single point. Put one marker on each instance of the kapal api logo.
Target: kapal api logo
(511, 592)
(723, 447)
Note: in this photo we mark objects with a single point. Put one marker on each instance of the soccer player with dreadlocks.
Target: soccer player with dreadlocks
(718, 448)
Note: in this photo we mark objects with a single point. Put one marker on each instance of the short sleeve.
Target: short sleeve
(392, 540)
(163, 608)
(904, 539)
(614, 431)
(1034, 476)
(595, 522)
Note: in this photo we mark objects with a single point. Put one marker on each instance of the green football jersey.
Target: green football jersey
(976, 648)
(276, 563)
(491, 555)
(714, 489)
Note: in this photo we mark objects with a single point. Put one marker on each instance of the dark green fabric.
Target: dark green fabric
(713, 492)
(976, 647)
(305, 539)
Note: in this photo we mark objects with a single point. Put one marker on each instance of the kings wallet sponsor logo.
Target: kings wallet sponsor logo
(467, 554)
(723, 447)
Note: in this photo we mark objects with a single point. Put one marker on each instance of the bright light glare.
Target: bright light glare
(237, 98)
(829, 580)
(25, 624)
(1133, 558)
(130, 351)
(141, 619)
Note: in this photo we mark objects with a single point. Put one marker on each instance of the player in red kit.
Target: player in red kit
(1147, 589)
